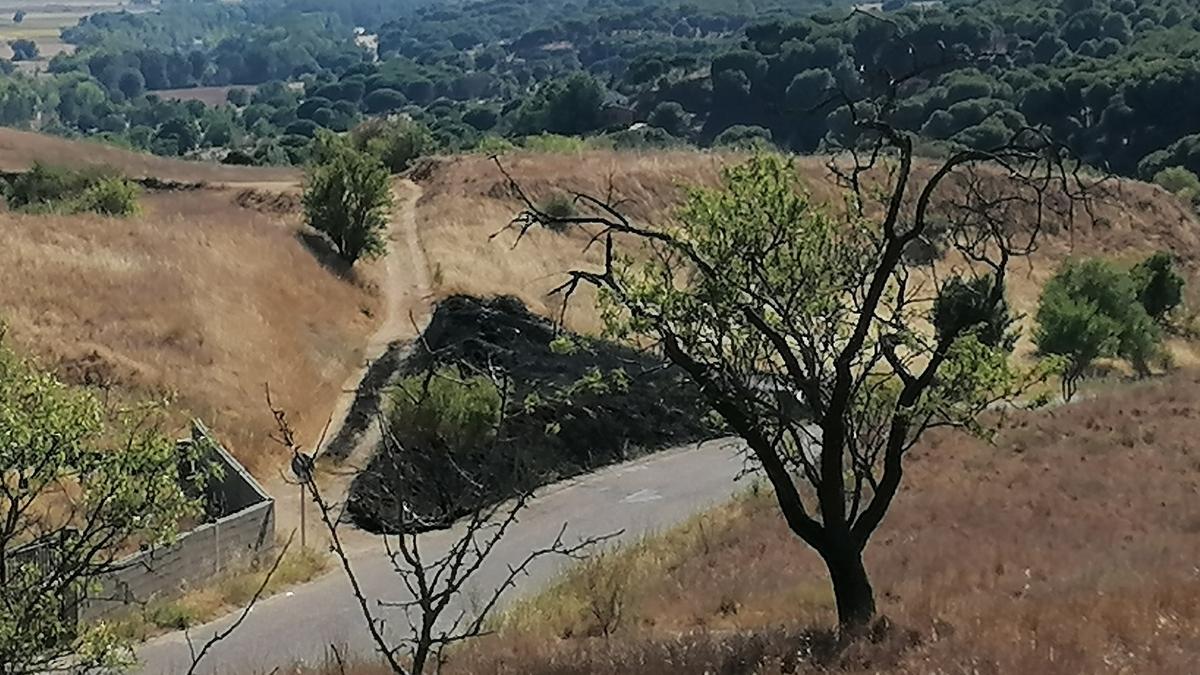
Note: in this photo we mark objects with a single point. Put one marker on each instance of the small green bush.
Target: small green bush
(45, 185)
(171, 615)
(1179, 182)
(113, 196)
(494, 145)
(396, 143)
(1159, 285)
(53, 189)
(558, 205)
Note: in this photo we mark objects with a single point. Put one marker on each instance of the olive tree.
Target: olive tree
(762, 296)
(1159, 285)
(78, 487)
(347, 197)
(1089, 310)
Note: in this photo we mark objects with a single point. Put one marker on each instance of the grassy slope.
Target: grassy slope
(467, 200)
(196, 299)
(1067, 547)
(20, 149)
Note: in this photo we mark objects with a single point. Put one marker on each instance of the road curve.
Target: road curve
(298, 626)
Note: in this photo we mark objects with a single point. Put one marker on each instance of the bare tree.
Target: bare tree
(437, 580)
(772, 304)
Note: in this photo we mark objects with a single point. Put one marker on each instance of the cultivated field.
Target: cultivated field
(197, 300)
(43, 22)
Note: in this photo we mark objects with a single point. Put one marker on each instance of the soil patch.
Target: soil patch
(655, 407)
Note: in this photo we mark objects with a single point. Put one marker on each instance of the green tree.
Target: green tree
(671, 118)
(762, 297)
(384, 100)
(744, 137)
(238, 96)
(347, 197)
(1159, 285)
(23, 49)
(126, 489)
(1090, 310)
(397, 143)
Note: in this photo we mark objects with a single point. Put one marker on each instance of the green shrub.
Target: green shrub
(1179, 182)
(494, 145)
(170, 615)
(56, 189)
(396, 143)
(112, 196)
(446, 411)
(347, 197)
(1159, 285)
(45, 185)
(558, 205)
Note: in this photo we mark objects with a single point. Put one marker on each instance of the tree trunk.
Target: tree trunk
(851, 589)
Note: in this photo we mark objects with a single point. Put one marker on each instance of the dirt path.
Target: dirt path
(351, 437)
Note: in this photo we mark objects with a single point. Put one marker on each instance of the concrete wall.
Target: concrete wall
(245, 530)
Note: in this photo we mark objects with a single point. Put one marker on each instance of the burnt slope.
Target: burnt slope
(594, 426)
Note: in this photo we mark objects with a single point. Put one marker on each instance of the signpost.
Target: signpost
(302, 468)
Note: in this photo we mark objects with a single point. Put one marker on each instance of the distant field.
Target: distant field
(206, 95)
(42, 24)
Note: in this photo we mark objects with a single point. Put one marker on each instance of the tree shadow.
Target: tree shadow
(322, 250)
(366, 401)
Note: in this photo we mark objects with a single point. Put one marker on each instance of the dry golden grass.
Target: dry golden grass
(467, 200)
(20, 149)
(197, 300)
(222, 596)
(1068, 547)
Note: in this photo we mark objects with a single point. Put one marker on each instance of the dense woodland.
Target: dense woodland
(1115, 78)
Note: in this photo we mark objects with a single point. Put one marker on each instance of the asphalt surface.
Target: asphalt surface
(298, 626)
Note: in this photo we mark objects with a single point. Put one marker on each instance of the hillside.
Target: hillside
(196, 300)
(20, 149)
(467, 201)
(1067, 546)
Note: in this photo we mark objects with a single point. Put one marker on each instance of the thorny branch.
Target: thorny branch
(198, 656)
(436, 610)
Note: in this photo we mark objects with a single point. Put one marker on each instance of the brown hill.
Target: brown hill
(467, 200)
(197, 299)
(20, 149)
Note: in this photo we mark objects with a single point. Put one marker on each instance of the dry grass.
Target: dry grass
(1068, 547)
(220, 597)
(467, 200)
(20, 149)
(196, 300)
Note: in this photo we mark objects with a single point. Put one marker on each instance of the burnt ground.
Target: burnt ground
(592, 427)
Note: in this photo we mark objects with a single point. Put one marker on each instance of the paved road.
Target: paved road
(298, 626)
